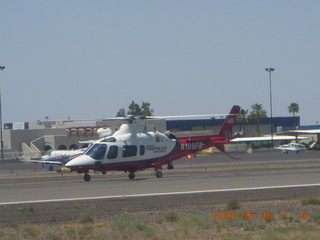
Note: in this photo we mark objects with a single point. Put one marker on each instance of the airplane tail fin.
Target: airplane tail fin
(226, 128)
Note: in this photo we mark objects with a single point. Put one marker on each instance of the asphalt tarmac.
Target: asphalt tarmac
(261, 170)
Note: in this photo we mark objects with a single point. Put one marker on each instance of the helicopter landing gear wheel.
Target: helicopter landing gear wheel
(87, 177)
(104, 171)
(132, 175)
(170, 166)
(159, 174)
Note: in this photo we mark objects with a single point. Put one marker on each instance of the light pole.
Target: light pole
(1, 137)
(270, 70)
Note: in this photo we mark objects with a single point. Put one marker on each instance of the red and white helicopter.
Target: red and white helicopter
(137, 146)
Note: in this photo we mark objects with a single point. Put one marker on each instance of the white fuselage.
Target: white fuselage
(131, 143)
(296, 147)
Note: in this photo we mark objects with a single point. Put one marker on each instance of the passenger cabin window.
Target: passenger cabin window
(113, 152)
(129, 151)
(97, 151)
(142, 149)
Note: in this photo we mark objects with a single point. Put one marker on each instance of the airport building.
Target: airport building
(32, 139)
(247, 129)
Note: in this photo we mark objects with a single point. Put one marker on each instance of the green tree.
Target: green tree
(294, 108)
(135, 110)
(146, 110)
(257, 113)
(121, 112)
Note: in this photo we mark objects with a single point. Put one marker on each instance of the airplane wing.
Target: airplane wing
(290, 149)
(266, 138)
(299, 132)
(42, 161)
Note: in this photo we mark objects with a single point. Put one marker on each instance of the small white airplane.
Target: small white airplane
(60, 157)
(295, 147)
(137, 146)
(300, 147)
(57, 157)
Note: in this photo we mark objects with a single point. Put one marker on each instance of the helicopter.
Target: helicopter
(136, 146)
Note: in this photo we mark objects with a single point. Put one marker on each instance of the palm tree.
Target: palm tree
(257, 113)
(294, 108)
(242, 118)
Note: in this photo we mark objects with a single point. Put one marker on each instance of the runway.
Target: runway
(261, 170)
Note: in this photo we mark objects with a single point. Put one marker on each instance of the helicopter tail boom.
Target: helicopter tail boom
(191, 144)
(226, 128)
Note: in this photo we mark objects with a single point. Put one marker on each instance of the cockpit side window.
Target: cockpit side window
(113, 152)
(97, 151)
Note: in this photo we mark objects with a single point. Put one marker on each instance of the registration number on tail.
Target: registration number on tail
(192, 146)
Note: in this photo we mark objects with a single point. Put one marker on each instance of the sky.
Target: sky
(83, 60)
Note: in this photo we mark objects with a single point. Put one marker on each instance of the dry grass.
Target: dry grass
(179, 223)
(169, 225)
(310, 201)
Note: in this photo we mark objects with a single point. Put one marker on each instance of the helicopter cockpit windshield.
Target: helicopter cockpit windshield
(97, 151)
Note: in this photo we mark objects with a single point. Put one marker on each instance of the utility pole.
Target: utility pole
(1, 136)
(270, 70)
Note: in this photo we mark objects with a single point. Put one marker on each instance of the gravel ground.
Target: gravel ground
(150, 208)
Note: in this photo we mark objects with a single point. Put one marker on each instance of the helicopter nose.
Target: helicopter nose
(80, 161)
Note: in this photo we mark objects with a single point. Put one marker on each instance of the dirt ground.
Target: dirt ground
(151, 208)
(275, 202)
